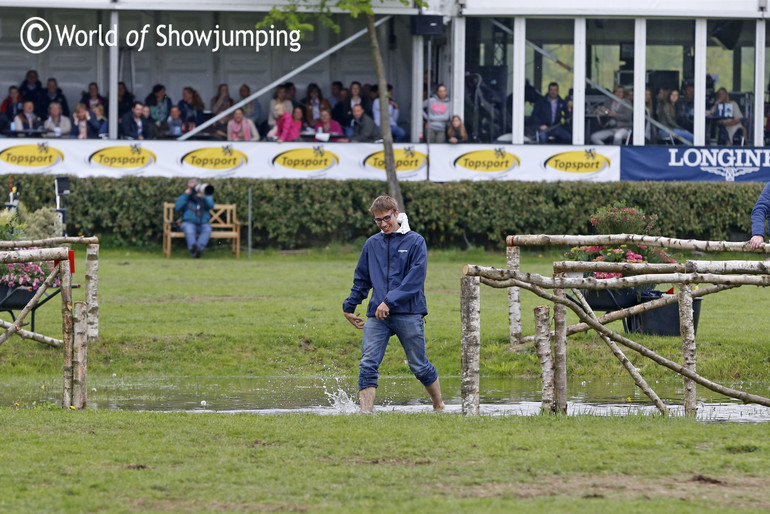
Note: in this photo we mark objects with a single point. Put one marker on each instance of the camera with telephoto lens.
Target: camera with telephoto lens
(206, 189)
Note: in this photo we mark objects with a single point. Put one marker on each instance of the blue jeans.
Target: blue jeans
(203, 231)
(398, 133)
(411, 332)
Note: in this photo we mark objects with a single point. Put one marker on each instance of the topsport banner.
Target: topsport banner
(342, 161)
(728, 164)
(530, 162)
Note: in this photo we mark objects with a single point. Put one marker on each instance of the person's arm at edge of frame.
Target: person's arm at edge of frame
(209, 201)
(414, 281)
(758, 216)
(360, 290)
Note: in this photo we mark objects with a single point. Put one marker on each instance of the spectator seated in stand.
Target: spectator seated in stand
(125, 100)
(241, 128)
(364, 129)
(219, 104)
(57, 124)
(84, 123)
(134, 125)
(13, 103)
(52, 93)
(191, 107)
(173, 126)
(152, 128)
(455, 132)
(667, 116)
(551, 117)
(438, 112)
(340, 111)
(252, 110)
(92, 97)
(327, 125)
(32, 89)
(284, 129)
(104, 125)
(27, 119)
(616, 117)
(398, 132)
(159, 104)
(314, 103)
(279, 97)
(728, 117)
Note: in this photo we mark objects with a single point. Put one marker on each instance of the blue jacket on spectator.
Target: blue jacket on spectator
(194, 209)
(129, 128)
(760, 212)
(541, 113)
(395, 266)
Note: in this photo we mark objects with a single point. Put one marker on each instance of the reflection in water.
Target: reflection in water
(338, 395)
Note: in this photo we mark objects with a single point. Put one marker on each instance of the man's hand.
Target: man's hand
(354, 319)
(756, 241)
(382, 311)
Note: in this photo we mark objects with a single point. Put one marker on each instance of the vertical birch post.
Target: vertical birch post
(687, 329)
(92, 287)
(543, 350)
(470, 289)
(68, 335)
(560, 350)
(514, 298)
(80, 351)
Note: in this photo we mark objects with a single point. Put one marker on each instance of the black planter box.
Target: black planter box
(663, 321)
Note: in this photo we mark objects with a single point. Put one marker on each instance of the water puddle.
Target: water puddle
(335, 395)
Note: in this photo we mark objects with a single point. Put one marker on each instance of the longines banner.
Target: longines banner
(307, 160)
(732, 164)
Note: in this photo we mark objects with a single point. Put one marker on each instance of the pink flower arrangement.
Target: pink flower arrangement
(29, 275)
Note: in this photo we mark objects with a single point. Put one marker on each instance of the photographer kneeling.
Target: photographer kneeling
(195, 204)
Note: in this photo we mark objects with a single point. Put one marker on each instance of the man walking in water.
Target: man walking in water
(393, 263)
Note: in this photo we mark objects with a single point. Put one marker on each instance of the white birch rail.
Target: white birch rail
(719, 267)
(471, 270)
(51, 241)
(620, 239)
(39, 254)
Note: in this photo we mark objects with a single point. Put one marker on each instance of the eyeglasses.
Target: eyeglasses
(384, 219)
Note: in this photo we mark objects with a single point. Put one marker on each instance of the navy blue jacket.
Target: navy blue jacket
(541, 113)
(394, 265)
(760, 212)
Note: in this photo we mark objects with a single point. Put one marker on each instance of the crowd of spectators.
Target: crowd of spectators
(347, 114)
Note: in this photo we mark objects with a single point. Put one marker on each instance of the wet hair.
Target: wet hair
(382, 204)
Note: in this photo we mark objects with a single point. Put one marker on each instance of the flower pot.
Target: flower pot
(663, 321)
(14, 297)
(614, 299)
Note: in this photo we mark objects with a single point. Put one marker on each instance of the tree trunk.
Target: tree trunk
(394, 188)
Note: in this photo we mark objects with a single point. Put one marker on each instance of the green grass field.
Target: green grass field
(280, 314)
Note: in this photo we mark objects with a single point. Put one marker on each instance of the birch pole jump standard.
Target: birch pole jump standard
(470, 308)
(543, 350)
(92, 288)
(560, 353)
(68, 334)
(687, 329)
(513, 254)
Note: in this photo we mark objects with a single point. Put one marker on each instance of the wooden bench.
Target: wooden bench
(224, 225)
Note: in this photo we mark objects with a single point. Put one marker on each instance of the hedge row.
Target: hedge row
(301, 213)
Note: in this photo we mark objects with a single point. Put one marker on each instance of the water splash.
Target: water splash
(339, 399)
